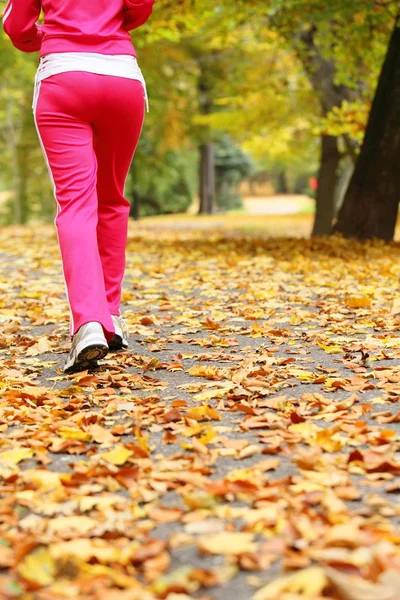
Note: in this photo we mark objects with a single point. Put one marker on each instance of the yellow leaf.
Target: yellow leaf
(200, 413)
(102, 503)
(296, 320)
(393, 342)
(200, 499)
(208, 437)
(358, 301)
(38, 567)
(307, 430)
(118, 456)
(325, 441)
(300, 374)
(331, 349)
(85, 549)
(195, 430)
(204, 371)
(15, 456)
(143, 443)
(119, 579)
(179, 578)
(71, 433)
(309, 583)
(218, 315)
(214, 393)
(228, 543)
(268, 513)
(78, 523)
(43, 479)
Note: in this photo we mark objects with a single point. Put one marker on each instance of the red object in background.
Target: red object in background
(314, 183)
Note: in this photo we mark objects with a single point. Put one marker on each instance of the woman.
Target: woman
(89, 108)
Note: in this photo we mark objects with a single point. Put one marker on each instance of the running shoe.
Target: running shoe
(120, 339)
(88, 346)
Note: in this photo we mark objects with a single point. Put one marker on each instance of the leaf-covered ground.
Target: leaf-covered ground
(246, 447)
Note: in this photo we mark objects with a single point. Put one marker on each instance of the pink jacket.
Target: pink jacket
(75, 25)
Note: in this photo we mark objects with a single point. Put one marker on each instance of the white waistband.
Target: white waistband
(90, 62)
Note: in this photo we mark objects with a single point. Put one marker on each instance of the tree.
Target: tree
(23, 171)
(321, 73)
(371, 204)
(304, 69)
(232, 167)
(206, 148)
(277, 76)
(339, 45)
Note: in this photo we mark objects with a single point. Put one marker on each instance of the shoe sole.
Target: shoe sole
(117, 343)
(88, 357)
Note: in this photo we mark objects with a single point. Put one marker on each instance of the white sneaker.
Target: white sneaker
(88, 346)
(120, 339)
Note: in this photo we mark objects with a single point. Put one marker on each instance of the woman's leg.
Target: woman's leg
(65, 109)
(117, 130)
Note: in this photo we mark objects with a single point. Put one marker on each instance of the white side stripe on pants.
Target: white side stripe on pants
(35, 103)
(7, 12)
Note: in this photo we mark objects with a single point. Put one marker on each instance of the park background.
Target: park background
(251, 104)
(247, 445)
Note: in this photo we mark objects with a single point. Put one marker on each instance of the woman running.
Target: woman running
(89, 103)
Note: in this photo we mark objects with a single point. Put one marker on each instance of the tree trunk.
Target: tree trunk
(282, 184)
(343, 181)
(12, 140)
(207, 179)
(371, 203)
(134, 212)
(22, 185)
(206, 162)
(321, 73)
(135, 200)
(329, 163)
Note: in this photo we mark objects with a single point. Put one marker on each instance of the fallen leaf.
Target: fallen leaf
(118, 456)
(308, 583)
(355, 588)
(227, 543)
(38, 567)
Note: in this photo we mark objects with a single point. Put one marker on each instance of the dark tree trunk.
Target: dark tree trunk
(23, 185)
(329, 163)
(282, 184)
(207, 179)
(135, 200)
(134, 213)
(206, 162)
(371, 204)
(343, 181)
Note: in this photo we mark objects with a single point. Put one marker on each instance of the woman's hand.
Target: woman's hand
(19, 22)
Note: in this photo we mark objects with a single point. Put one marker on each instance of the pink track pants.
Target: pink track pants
(89, 126)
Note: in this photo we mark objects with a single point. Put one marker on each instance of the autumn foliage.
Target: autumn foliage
(248, 441)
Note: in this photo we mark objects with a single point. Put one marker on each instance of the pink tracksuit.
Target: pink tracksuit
(89, 125)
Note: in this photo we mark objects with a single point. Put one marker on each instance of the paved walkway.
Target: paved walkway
(246, 447)
(283, 204)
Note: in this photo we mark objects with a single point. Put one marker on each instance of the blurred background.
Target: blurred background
(256, 108)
